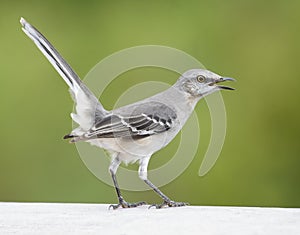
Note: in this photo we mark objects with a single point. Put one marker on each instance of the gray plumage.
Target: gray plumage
(136, 131)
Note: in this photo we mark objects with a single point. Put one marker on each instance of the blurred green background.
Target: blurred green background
(257, 42)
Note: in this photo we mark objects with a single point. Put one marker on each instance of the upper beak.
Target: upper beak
(224, 79)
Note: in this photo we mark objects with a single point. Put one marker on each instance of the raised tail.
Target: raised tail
(88, 108)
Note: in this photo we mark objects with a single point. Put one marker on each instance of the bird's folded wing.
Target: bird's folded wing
(142, 122)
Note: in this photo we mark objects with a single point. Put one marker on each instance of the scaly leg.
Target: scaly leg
(122, 203)
(167, 201)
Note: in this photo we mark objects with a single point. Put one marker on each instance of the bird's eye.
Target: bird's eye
(201, 78)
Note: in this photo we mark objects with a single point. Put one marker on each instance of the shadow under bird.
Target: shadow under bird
(136, 131)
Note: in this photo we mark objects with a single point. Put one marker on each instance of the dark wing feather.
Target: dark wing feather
(143, 121)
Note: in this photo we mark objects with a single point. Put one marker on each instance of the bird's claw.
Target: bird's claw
(125, 204)
(169, 204)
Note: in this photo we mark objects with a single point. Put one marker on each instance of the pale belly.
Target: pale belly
(132, 150)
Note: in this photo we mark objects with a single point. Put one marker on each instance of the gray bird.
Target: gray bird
(136, 131)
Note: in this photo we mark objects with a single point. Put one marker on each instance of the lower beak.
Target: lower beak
(224, 79)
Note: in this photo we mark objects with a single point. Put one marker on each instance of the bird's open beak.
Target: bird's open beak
(224, 79)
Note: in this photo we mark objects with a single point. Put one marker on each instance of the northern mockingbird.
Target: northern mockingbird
(136, 131)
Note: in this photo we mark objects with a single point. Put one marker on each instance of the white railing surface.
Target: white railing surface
(72, 218)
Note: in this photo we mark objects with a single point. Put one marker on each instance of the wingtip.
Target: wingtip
(68, 136)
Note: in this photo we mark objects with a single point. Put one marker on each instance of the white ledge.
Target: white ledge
(70, 218)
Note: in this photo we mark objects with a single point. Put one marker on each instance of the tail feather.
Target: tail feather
(62, 67)
(87, 105)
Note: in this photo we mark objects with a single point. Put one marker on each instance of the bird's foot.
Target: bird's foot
(169, 204)
(124, 204)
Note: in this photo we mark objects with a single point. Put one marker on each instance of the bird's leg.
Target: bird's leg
(167, 201)
(122, 203)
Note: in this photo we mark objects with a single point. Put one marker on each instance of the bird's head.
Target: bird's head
(201, 82)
